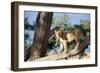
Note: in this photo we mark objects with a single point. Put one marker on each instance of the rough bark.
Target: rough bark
(42, 30)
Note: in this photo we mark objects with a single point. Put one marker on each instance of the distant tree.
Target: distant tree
(26, 35)
(63, 21)
(27, 25)
(86, 26)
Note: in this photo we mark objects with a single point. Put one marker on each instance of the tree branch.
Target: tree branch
(71, 53)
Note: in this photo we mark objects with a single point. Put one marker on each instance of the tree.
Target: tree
(86, 26)
(62, 20)
(40, 40)
(26, 38)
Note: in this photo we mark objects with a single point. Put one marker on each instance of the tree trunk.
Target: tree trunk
(40, 40)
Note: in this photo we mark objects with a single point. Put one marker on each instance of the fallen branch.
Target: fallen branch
(71, 53)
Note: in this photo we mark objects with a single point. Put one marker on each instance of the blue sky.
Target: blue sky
(74, 17)
(31, 16)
